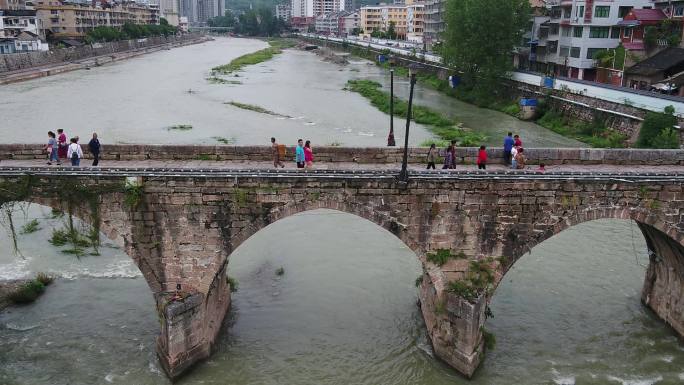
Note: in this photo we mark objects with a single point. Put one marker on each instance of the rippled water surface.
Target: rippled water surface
(344, 312)
(137, 100)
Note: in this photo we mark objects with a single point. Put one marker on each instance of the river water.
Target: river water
(344, 312)
(138, 100)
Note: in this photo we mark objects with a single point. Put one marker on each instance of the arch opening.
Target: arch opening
(576, 300)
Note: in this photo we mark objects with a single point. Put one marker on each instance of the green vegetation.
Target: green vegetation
(205, 157)
(441, 125)
(252, 107)
(657, 130)
(30, 227)
(419, 280)
(133, 195)
(31, 290)
(595, 133)
(223, 140)
(391, 32)
(218, 80)
(441, 256)
(54, 214)
(277, 45)
(78, 241)
(254, 20)
(130, 31)
(668, 30)
(280, 271)
(469, 23)
(181, 127)
(478, 280)
(489, 339)
(232, 283)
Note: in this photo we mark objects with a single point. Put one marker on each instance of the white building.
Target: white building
(302, 8)
(14, 22)
(325, 7)
(24, 42)
(565, 41)
(169, 10)
(348, 23)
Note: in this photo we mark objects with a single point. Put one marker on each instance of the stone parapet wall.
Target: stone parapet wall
(22, 61)
(361, 155)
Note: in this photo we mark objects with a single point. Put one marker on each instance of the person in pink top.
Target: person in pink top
(62, 145)
(308, 154)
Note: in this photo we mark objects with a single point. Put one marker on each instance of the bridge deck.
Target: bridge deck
(202, 168)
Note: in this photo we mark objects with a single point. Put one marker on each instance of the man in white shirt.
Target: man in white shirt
(75, 153)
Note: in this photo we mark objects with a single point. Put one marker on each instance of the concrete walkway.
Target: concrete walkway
(261, 165)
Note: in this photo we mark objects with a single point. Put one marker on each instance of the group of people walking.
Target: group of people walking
(58, 149)
(303, 154)
(513, 154)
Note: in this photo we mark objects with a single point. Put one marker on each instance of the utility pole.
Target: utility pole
(390, 138)
(403, 175)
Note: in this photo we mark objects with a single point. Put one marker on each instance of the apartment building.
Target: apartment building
(14, 22)
(566, 40)
(302, 8)
(415, 22)
(378, 18)
(325, 7)
(169, 10)
(63, 19)
(348, 23)
(283, 11)
(434, 21)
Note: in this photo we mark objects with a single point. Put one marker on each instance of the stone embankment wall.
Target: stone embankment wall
(22, 61)
(549, 156)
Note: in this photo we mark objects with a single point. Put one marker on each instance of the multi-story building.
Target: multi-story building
(283, 11)
(302, 8)
(14, 22)
(566, 40)
(24, 42)
(325, 7)
(348, 23)
(12, 5)
(379, 17)
(168, 9)
(434, 21)
(188, 9)
(207, 9)
(63, 19)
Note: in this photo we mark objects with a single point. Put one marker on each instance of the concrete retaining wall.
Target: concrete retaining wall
(22, 61)
(550, 156)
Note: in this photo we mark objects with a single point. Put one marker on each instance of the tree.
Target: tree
(479, 40)
(656, 129)
(391, 32)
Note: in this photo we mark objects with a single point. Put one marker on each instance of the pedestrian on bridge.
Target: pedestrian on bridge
(507, 147)
(51, 148)
(520, 159)
(94, 147)
(308, 154)
(432, 154)
(278, 153)
(482, 158)
(516, 141)
(75, 153)
(62, 145)
(300, 157)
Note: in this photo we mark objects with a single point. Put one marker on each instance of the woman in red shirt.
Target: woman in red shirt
(482, 158)
(308, 154)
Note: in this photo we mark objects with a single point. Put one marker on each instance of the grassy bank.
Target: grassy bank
(440, 125)
(276, 47)
(252, 107)
(595, 134)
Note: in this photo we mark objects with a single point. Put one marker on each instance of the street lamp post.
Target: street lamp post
(403, 175)
(390, 138)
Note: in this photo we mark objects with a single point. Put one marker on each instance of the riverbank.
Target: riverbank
(95, 61)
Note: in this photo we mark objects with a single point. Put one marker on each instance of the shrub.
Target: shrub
(232, 283)
(668, 138)
(440, 257)
(653, 126)
(27, 292)
(44, 278)
(30, 227)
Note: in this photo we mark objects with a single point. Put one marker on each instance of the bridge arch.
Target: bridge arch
(364, 211)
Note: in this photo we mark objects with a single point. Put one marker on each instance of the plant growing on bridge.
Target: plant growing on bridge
(479, 279)
(441, 256)
(133, 195)
(232, 283)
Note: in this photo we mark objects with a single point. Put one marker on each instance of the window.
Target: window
(615, 33)
(679, 11)
(599, 32)
(591, 52)
(565, 31)
(623, 11)
(628, 32)
(575, 52)
(580, 11)
(567, 12)
(564, 51)
(577, 31)
(554, 29)
(602, 11)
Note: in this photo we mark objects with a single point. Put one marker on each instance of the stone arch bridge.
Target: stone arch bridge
(468, 229)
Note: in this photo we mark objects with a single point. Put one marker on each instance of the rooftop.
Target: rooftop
(661, 61)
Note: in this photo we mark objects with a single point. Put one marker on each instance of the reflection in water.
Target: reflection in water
(344, 312)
